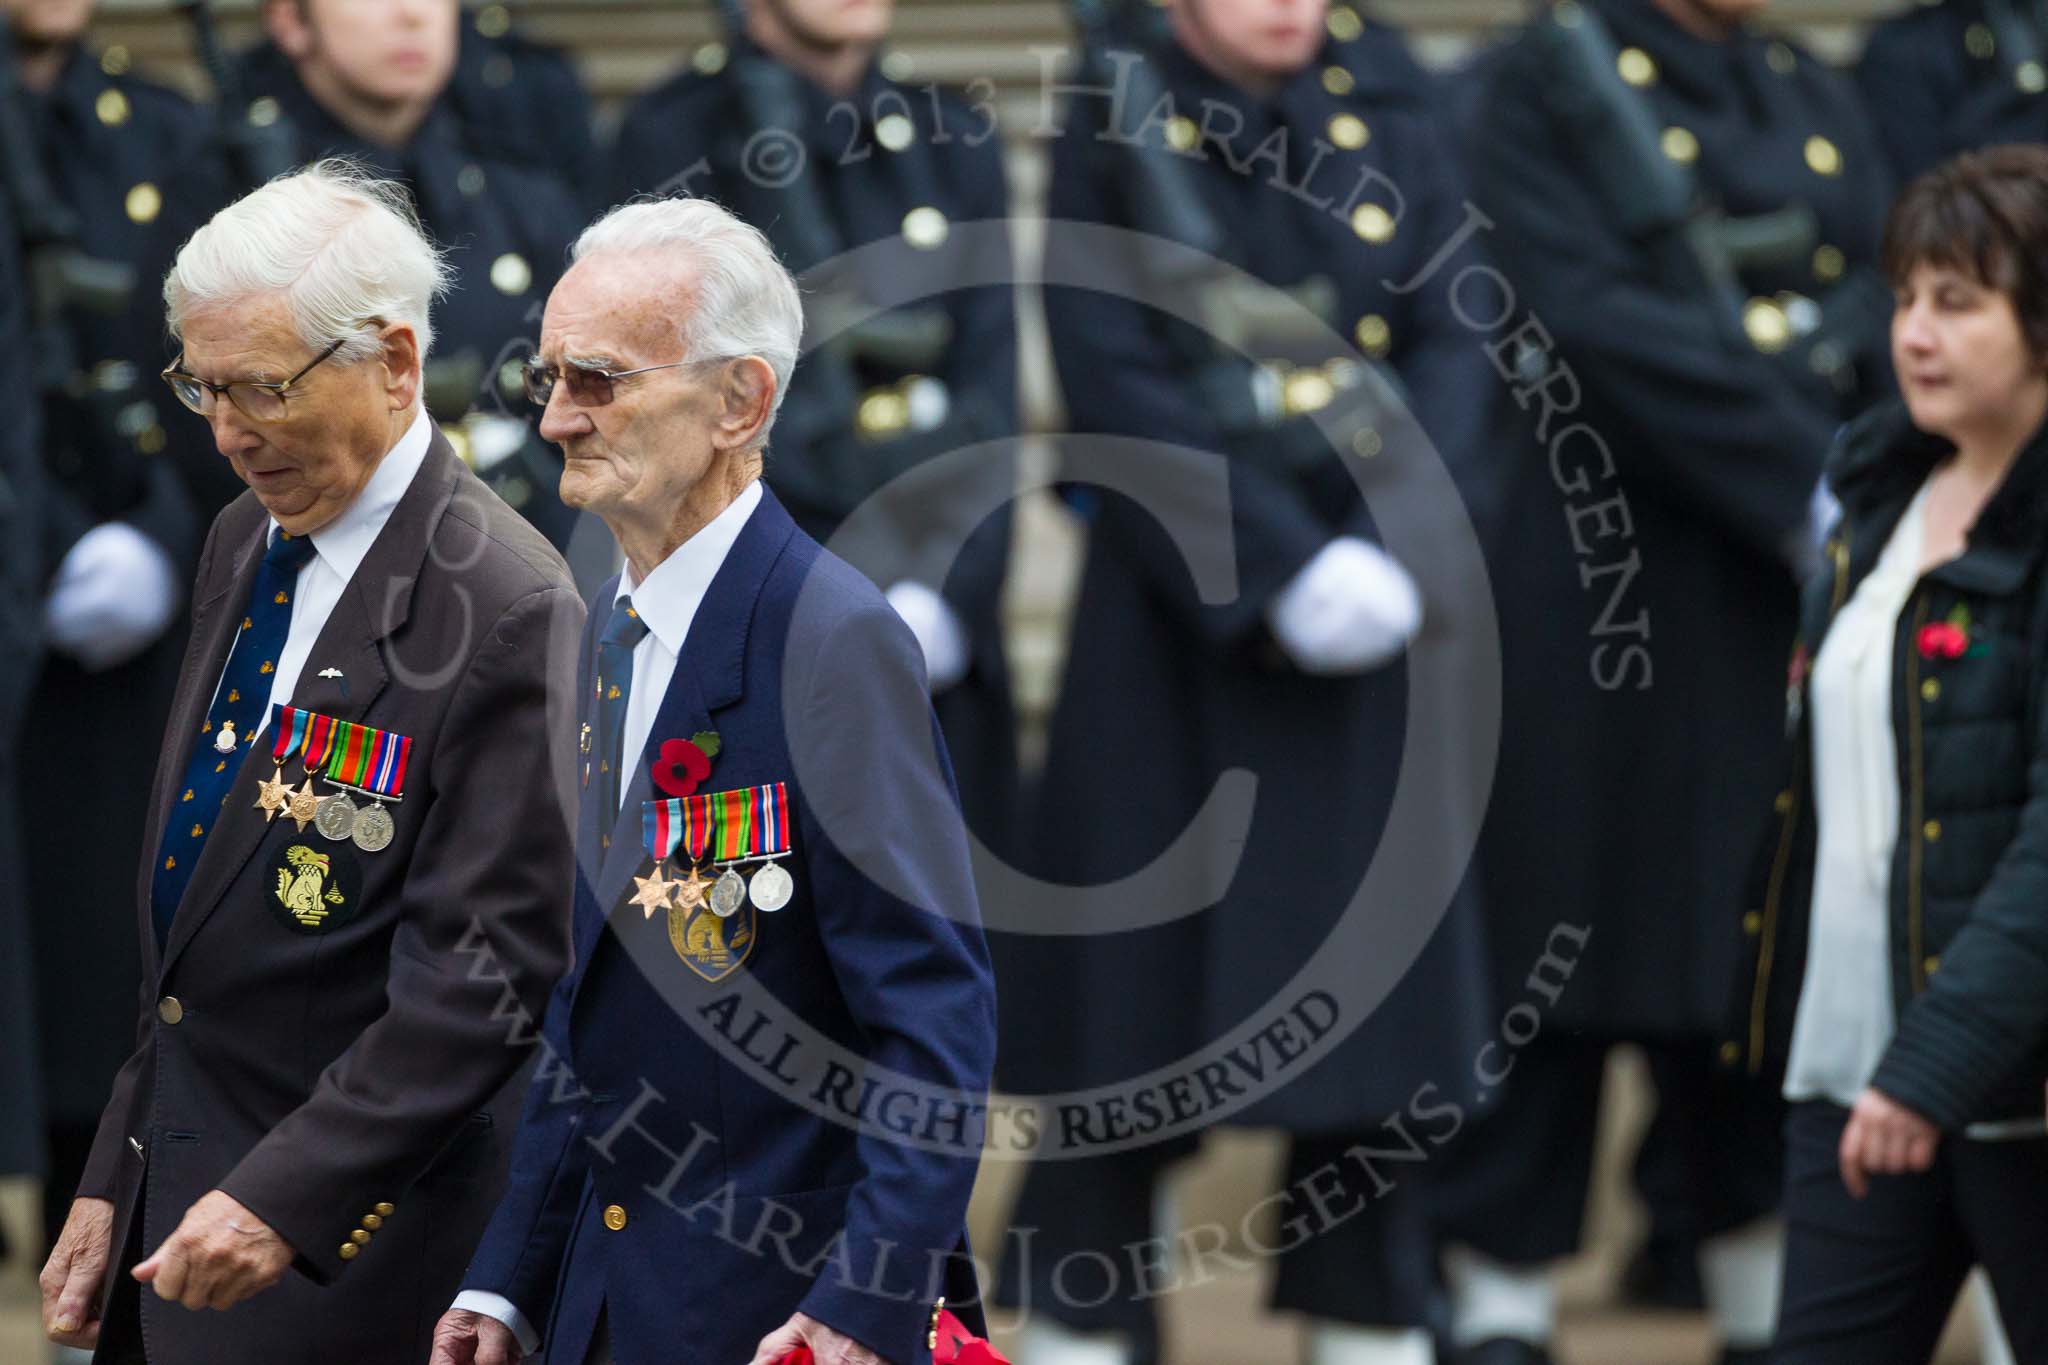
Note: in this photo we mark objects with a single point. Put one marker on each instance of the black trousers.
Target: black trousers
(1872, 1281)
(1351, 1242)
(1513, 1185)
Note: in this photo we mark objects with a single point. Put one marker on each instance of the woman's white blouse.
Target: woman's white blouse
(1845, 1019)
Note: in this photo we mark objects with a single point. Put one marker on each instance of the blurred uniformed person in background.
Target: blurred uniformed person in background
(120, 532)
(377, 80)
(858, 180)
(1954, 76)
(1689, 210)
(1296, 143)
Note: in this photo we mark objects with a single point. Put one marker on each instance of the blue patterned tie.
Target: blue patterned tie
(238, 703)
(615, 647)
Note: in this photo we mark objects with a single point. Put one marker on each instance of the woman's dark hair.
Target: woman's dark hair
(1985, 215)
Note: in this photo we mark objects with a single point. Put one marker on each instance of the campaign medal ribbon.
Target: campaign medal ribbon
(661, 828)
(696, 841)
(768, 811)
(372, 763)
(275, 795)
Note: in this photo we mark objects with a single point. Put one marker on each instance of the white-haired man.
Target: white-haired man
(779, 1059)
(352, 813)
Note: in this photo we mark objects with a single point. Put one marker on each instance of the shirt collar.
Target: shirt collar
(342, 543)
(669, 599)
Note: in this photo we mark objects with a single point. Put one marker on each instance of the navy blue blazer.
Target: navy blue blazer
(713, 1142)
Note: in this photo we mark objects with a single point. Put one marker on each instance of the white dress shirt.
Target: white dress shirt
(338, 550)
(668, 603)
(1845, 1021)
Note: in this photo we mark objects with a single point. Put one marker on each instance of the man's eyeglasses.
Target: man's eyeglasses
(589, 387)
(257, 402)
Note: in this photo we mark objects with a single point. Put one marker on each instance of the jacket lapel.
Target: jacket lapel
(709, 676)
(374, 604)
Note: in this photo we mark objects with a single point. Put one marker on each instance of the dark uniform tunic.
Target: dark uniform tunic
(1947, 78)
(1165, 693)
(1645, 576)
(875, 205)
(110, 146)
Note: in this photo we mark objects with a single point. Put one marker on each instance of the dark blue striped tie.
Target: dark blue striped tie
(622, 633)
(238, 703)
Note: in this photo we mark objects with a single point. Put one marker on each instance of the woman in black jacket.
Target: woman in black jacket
(1900, 940)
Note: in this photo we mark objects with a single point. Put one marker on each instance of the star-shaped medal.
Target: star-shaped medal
(691, 890)
(305, 804)
(653, 894)
(273, 796)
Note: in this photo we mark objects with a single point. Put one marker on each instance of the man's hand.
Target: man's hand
(465, 1338)
(827, 1346)
(220, 1255)
(1883, 1137)
(71, 1277)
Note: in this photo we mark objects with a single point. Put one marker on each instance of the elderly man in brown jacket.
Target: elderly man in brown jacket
(359, 850)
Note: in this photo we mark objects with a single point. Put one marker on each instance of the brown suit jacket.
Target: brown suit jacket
(354, 1085)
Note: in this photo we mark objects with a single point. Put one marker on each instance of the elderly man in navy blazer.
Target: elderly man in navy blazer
(757, 1121)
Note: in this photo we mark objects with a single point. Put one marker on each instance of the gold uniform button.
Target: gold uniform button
(1931, 965)
(615, 1218)
(510, 274)
(1680, 145)
(895, 132)
(1349, 132)
(1931, 831)
(1305, 391)
(1782, 802)
(1730, 1054)
(493, 21)
(170, 1009)
(925, 228)
(112, 108)
(1828, 264)
(1767, 326)
(1372, 223)
(1822, 156)
(384, 1210)
(263, 112)
(1752, 924)
(2030, 77)
(115, 61)
(1337, 80)
(1343, 23)
(709, 59)
(1374, 336)
(1366, 443)
(349, 1251)
(897, 65)
(372, 1221)
(1781, 59)
(1181, 133)
(1979, 41)
(360, 1237)
(144, 202)
(1931, 690)
(1636, 67)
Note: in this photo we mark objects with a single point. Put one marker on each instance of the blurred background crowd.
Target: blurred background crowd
(1522, 330)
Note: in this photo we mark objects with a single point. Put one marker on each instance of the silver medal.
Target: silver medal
(335, 817)
(727, 893)
(373, 828)
(770, 888)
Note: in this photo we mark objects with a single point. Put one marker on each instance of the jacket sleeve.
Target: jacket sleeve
(1120, 377)
(1703, 424)
(383, 1109)
(1985, 1013)
(896, 905)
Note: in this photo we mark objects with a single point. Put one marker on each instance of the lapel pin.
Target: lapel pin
(330, 672)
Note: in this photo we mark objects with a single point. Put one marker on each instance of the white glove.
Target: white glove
(1349, 609)
(115, 594)
(937, 628)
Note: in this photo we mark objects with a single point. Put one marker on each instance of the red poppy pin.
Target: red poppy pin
(1948, 639)
(682, 763)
